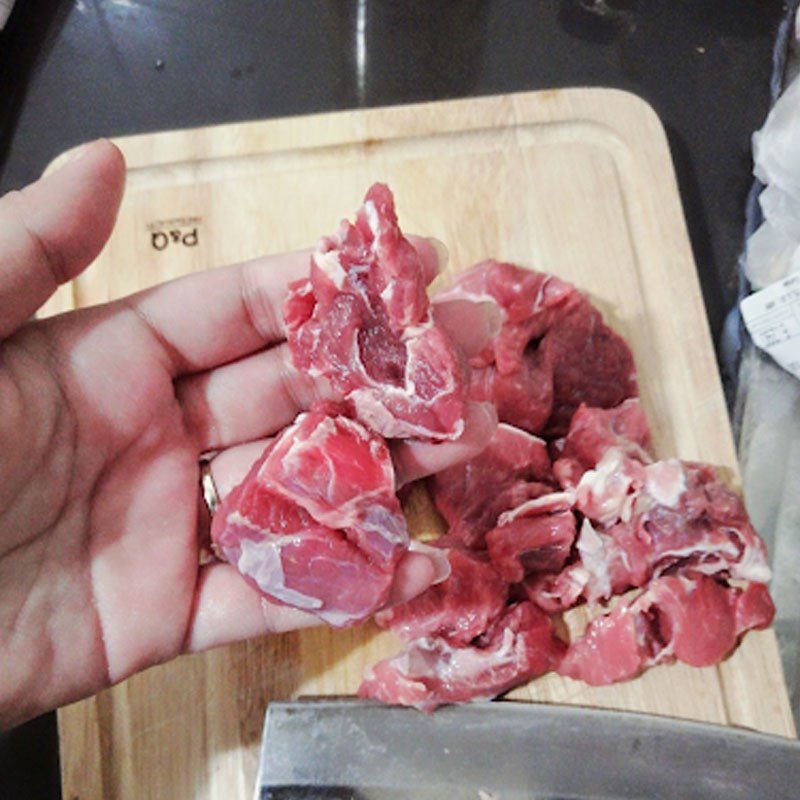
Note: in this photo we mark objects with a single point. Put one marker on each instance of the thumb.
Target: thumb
(53, 229)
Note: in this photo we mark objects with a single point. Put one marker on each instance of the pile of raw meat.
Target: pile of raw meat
(565, 506)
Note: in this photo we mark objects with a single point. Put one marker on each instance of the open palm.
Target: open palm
(104, 415)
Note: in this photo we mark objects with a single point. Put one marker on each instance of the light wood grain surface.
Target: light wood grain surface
(577, 182)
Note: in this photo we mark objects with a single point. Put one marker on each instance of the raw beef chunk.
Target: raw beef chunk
(430, 672)
(591, 364)
(692, 619)
(552, 353)
(458, 609)
(316, 523)
(594, 431)
(642, 520)
(534, 537)
(362, 320)
(668, 528)
(607, 564)
(528, 303)
(512, 469)
(536, 525)
(523, 398)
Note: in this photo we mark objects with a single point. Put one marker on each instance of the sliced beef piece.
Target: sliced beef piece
(343, 475)
(591, 365)
(362, 320)
(316, 523)
(514, 468)
(458, 609)
(693, 619)
(673, 517)
(594, 431)
(553, 351)
(523, 398)
(534, 537)
(431, 672)
(527, 302)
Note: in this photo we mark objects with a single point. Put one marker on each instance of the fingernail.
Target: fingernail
(442, 253)
(79, 152)
(483, 415)
(438, 558)
(494, 318)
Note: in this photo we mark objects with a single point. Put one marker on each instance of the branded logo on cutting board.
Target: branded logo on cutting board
(177, 232)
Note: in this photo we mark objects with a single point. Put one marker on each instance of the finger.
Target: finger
(227, 609)
(433, 255)
(246, 400)
(415, 460)
(50, 231)
(423, 566)
(220, 315)
(471, 325)
(229, 467)
(414, 574)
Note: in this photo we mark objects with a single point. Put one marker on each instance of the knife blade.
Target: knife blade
(360, 750)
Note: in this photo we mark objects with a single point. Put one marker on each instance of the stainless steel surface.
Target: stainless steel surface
(356, 750)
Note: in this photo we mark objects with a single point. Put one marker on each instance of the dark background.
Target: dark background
(74, 71)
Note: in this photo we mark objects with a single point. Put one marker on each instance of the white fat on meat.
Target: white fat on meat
(375, 414)
(330, 263)
(373, 220)
(369, 401)
(429, 657)
(665, 482)
(518, 433)
(412, 332)
(546, 504)
(369, 408)
(752, 566)
(594, 560)
(261, 561)
(357, 512)
(602, 493)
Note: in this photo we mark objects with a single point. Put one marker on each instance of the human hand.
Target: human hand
(104, 415)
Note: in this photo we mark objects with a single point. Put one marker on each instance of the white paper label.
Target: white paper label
(772, 316)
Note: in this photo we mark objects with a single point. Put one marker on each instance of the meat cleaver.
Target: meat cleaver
(360, 750)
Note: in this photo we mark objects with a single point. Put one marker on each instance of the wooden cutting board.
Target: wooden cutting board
(578, 182)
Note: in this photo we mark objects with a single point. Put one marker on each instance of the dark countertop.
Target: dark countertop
(73, 71)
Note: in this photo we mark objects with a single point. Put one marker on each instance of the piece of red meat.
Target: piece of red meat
(431, 672)
(316, 523)
(593, 431)
(458, 609)
(362, 320)
(513, 468)
(706, 527)
(527, 301)
(676, 517)
(695, 620)
(553, 351)
(642, 518)
(534, 537)
(343, 475)
(754, 608)
(591, 364)
(523, 398)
